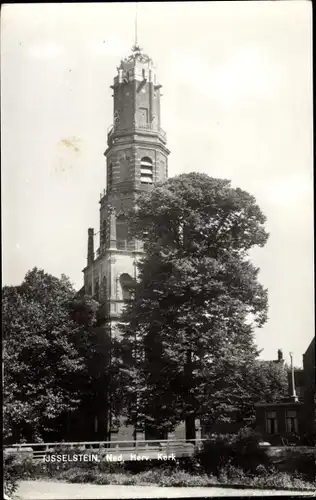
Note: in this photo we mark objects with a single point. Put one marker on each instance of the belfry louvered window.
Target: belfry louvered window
(146, 171)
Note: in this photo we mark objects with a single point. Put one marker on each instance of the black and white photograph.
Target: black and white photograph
(157, 250)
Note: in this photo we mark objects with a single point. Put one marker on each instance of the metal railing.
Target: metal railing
(125, 245)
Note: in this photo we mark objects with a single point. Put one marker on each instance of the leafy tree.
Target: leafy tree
(263, 382)
(101, 383)
(46, 336)
(189, 332)
(268, 381)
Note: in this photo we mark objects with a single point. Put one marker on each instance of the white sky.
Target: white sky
(237, 103)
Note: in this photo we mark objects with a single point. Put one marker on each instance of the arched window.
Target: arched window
(97, 289)
(127, 285)
(103, 232)
(110, 175)
(146, 171)
(102, 291)
(121, 232)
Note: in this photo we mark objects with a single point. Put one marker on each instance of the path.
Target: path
(53, 490)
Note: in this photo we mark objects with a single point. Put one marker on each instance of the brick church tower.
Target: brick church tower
(136, 159)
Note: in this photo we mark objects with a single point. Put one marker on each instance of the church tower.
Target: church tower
(136, 159)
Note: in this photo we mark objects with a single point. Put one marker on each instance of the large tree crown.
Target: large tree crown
(197, 212)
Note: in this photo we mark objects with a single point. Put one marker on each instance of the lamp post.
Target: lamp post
(293, 395)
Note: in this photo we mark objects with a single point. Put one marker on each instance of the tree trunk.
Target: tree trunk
(190, 427)
(190, 419)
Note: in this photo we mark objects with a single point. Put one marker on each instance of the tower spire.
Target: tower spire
(136, 47)
(136, 42)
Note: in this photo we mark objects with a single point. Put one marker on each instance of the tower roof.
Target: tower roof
(136, 66)
(137, 57)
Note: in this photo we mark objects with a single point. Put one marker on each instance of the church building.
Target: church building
(136, 159)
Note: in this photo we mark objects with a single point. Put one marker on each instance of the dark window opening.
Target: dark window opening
(123, 242)
(103, 232)
(127, 286)
(103, 293)
(272, 424)
(110, 175)
(291, 421)
(97, 290)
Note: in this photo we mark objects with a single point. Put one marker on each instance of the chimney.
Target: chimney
(280, 355)
(90, 245)
(293, 395)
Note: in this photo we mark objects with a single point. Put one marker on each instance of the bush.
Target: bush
(300, 460)
(10, 476)
(74, 475)
(306, 465)
(166, 477)
(247, 453)
(215, 454)
(191, 464)
(223, 460)
(78, 476)
(182, 478)
(16, 467)
(231, 474)
(281, 480)
(175, 477)
(247, 439)
(241, 451)
(261, 471)
(309, 439)
(153, 476)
